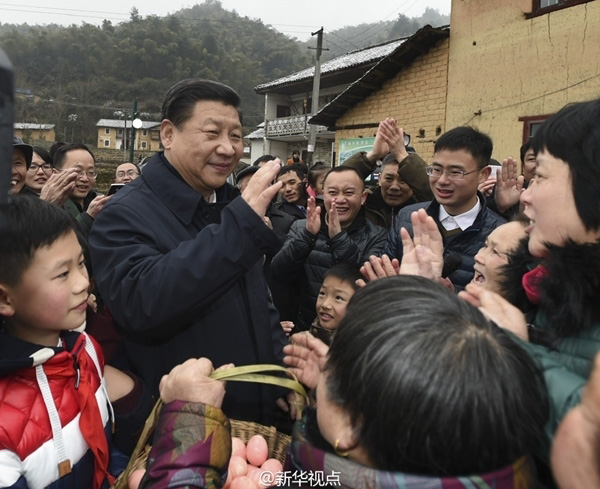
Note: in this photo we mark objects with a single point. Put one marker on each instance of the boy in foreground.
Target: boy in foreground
(54, 409)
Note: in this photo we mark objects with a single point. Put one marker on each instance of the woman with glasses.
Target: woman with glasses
(38, 172)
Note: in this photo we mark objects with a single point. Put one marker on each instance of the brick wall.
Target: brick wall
(415, 97)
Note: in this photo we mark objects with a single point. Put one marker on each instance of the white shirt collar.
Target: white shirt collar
(212, 198)
(462, 221)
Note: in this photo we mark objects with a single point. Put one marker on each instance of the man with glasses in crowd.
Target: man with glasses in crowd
(82, 203)
(126, 172)
(460, 163)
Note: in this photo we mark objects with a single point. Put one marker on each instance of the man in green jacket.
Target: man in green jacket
(403, 180)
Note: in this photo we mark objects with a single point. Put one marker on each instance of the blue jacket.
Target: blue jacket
(467, 243)
(184, 279)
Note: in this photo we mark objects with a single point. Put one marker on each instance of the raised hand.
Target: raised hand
(97, 204)
(378, 267)
(260, 190)
(394, 137)
(59, 186)
(333, 220)
(497, 308)
(509, 185)
(313, 216)
(423, 254)
(306, 357)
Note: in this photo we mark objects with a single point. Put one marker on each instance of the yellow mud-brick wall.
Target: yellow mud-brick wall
(415, 97)
(504, 66)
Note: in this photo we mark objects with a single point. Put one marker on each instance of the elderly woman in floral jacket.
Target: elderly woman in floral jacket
(430, 394)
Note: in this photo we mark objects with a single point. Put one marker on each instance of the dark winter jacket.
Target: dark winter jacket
(411, 170)
(305, 257)
(467, 243)
(184, 279)
(569, 310)
(83, 219)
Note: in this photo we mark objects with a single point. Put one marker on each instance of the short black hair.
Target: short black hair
(573, 135)
(344, 168)
(61, 153)
(180, 100)
(296, 168)
(32, 223)
(263, 158)
(244, 172)
(467, 138)
(431, 386)
(346, 272)
(388, 160)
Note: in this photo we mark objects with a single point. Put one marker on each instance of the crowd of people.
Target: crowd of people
(445, 321)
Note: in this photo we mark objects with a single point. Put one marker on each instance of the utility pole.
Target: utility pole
(314, 107)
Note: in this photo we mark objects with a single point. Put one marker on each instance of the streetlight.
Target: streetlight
(137, 124)
(73, 119)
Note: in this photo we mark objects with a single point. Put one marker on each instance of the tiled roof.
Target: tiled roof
(387, 67)
(258, 134)
(118, 123)
(345, 61)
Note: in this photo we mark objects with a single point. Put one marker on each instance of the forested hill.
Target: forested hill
(346, 39)
(93, 71)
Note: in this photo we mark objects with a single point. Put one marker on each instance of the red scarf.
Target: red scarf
(531, 282)
(90, 421)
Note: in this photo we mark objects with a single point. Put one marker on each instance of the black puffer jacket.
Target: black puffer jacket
(304, 258)
(467, 243)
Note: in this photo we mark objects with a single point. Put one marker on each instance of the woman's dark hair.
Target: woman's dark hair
(524, 148)
(180, 100)
(573, 135)
(43, 154)
(520, 261)
(317, 169)
(431, 386)
(32, 223)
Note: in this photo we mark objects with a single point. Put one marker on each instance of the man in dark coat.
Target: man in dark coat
(460, 163)
(178, 253)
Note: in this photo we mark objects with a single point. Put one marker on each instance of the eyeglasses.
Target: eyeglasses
(91, 174)
(129, 173)
(438, 171)
(46, 167)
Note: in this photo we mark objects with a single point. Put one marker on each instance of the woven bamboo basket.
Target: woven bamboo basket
(277, 442)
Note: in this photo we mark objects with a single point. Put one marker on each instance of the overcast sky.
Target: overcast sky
(295, 18)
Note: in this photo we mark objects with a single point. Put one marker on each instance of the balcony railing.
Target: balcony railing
(290, 126)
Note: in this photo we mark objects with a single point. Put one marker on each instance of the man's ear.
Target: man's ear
(6, 305)
(167, 128)
(363, 197)
(485, 174)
